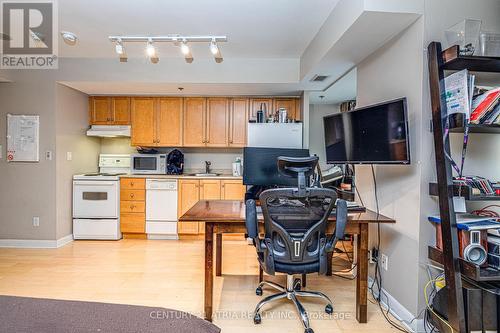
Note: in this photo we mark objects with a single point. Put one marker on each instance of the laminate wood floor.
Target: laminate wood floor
(170, 274)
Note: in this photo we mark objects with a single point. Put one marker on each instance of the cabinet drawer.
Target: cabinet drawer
(132, 206)
(132, 183)
(133, 223)
(132, 195)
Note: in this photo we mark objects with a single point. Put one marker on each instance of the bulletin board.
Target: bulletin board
(23, 138)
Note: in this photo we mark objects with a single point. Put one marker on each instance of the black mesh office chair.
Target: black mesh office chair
(295, 242)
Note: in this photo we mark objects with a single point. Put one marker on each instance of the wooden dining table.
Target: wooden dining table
(228, 217)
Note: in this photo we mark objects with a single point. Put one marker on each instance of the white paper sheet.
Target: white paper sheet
(23, 138)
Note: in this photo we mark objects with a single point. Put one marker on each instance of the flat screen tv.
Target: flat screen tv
(376, 134)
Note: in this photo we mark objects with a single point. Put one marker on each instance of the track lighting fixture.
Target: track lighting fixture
(177, 40)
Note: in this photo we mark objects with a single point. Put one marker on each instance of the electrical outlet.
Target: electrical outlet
(36, 221)
(371, 258)
(48, 155)
(384, 261)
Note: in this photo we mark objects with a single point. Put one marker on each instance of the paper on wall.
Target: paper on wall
(23, 138)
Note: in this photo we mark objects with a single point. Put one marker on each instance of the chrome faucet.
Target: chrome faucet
(207, 167)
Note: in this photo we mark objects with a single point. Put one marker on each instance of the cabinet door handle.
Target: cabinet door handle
(132, 207)
(131, 195)
(131, 184)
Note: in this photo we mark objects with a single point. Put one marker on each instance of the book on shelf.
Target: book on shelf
(479, 185)
(486, 107)
(459, 88)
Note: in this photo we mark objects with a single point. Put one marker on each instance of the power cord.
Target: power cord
(378, 277)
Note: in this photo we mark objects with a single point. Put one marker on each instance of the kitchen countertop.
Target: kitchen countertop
(183, 176)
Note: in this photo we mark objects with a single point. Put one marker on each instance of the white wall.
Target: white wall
(316, 129)
(28, 189)
(396, 71)
(71, 125)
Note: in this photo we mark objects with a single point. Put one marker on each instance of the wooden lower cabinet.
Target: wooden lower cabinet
(193, 190)
(132, 206)
(232, 189)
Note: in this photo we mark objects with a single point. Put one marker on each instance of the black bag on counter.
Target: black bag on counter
(175, 162)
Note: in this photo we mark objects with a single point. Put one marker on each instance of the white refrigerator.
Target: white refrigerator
(275, 135)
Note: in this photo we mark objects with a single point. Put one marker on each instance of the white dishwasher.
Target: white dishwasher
(161, 208)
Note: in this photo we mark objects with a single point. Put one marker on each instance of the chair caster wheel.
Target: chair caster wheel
(297, 285)
(329, 309)
(309, 330)
(257, 319)
(258, 291)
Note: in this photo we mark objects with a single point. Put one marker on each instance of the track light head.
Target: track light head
(150, 49)
(119, 48)
(213, 47)
(185, 48)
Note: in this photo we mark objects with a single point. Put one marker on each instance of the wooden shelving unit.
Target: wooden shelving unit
(439, 62)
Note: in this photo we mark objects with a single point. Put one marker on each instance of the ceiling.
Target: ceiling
(189, 89)
(342, 90)
(255, 28)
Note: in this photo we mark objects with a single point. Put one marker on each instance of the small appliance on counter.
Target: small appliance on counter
(175, 162)
(96, 199)
(155, 164)
(237, 167)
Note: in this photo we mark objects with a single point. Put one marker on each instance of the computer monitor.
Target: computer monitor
(260, 166)
(376, 134)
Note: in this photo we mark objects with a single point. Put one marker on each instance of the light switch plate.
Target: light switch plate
(69, 156)
(1, 152)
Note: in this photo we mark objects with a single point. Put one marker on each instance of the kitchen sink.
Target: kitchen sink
(204, 174)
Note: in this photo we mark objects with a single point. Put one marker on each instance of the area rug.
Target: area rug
(24, 314)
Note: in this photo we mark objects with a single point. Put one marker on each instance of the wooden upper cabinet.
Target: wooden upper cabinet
(210, 189)
(255, 104)
(120, 110)
(100, 110)
(194, 122)
(169, 121)
(238, 120)
(290, 104)
(143, 121)
(105, 110)
(232, 189)
(217, 126)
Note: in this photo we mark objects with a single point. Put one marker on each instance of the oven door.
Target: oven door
(145, 164)
(95, 199)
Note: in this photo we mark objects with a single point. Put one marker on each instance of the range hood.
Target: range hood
(109, 131)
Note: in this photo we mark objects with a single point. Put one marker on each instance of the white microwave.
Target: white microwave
(148, 164)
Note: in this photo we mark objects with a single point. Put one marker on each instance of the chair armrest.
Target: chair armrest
(252, 225)
(251, 219)
(340, 224)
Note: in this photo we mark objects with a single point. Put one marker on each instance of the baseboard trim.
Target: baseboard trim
(399, 311)
(36, 244)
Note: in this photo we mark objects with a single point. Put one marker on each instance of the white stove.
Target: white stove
(96, 199)
(98, 176)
